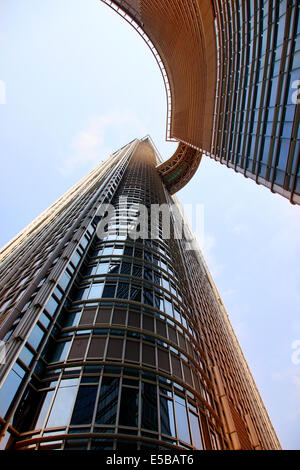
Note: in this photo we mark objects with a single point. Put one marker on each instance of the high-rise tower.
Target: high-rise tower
(231, 69)
(115, 341)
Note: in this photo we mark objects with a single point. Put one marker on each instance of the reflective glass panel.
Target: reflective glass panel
(108, 400)
(181, 419)
(167, 417)
(129, 407)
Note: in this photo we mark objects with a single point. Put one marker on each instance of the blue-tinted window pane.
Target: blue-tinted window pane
(128, 251)
(138, 253)
(95, 291)
(44, 409)
(137, 271)
(36, 337)
(68, 319)
(165, 283)
(108, 400)
(102, 268)
(60, 352)
(84, 405)
(157, 277)
(283, 154)
(148, 297)
(26, 356)
(168, 308)
(181, 419)
(149, 406)
(135, 294)
(158, 302)
(126, 268)
(167, 417)
(123, 290)
(8, 390)
(114, 268)
(44, 320)
(63, 403)
(75, 259)
(107, 250)
(51, 306)
(80, 294)
(109, 290)
(118, 250)
(148, 274)
(129, 407)
(64, 280)
(197, 440)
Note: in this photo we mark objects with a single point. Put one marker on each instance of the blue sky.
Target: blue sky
(80, 83)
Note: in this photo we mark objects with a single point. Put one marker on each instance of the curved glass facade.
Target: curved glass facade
(124, 343)
(257, 114)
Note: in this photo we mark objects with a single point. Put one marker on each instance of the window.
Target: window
(80, 294)
(135, 294)
(9, 388)
(167, 417)
(108, 400)
(168, 308)
(126, 268)
(109, 290)
(181, 419)
(60, 351)
(64, 281)
(149, 406)
(114, 268)
(51, 306)
(44, 409)
(102, 268)
(84, 405)
(137, 270)
(148, 296)
(26, 356)
(197, 440)
(63, 403)
(123, 290)
(129, 407)
(36, 337)
(95, 291)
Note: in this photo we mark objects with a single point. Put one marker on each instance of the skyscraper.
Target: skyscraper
(231, 69)
(117, 338)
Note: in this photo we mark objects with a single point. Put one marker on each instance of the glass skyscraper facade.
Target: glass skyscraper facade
(231, 70)
(256, 129)
(119, 342)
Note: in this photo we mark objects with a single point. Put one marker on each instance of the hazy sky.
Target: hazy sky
(80, 83)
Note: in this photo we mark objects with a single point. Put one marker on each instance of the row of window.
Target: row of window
(134, 404)
(242, 89)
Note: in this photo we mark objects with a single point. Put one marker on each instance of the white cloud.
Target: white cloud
(90, 145)
(208, 252)
(240, 229)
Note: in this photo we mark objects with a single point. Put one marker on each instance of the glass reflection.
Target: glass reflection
(129, 407)
(44, 409)
(63, 403)
(197, 441)
(108, 400)
(149, 406)
(181, 420)
(84, 406)
(167, 417)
